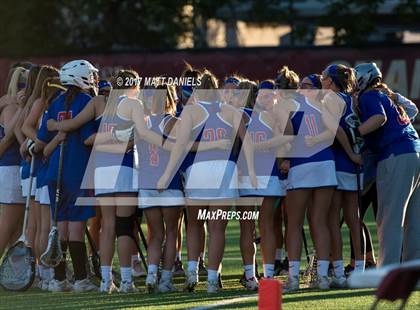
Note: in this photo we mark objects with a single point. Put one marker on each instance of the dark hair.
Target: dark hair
(71, 94)
(253, 91)
(287, 79)
(343, 77)
(315, 80)
(30, 83)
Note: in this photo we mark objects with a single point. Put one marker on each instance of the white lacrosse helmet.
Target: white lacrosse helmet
(366, 73)
(78, 73)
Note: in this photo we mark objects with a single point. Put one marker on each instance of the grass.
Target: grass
(232, 269)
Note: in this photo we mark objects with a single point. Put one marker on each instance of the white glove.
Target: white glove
(123, 135)
(30, 146)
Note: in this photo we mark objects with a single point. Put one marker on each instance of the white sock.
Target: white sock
(106, 273)
(338, 268)
(50, 273)
(126, 274)
(268, 270)
(279, 254)
(202, 255)
(249, 271)
(212, 275)
(152, 269)
(322, 268)
(178, 256)
(192, 265)
(294, 268)
(166, 275)
(359, 265)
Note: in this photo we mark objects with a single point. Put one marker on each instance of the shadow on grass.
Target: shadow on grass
(311, 295)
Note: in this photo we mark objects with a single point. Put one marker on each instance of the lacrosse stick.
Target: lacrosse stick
(17, 270)
(53, 254)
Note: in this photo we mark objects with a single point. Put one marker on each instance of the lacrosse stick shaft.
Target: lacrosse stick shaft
(142, 257)
(305, 244)
(59, 181)
(142, 236)
(28, 199)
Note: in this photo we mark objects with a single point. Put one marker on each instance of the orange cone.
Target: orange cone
(270, 294)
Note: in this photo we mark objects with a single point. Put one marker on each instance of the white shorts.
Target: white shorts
(25, 187)
(168, 198)
(10, 189)
(114, 179)
(42, 195)
(267, 186)
(312, 175)
(348, 181)
(209, 180)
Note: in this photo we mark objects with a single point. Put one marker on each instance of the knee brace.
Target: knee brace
(124, 226)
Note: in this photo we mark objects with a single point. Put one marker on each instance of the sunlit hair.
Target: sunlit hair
(50, 89)
(287, 79)
(30, 83)
(19, 75)
(343, 77)
(209, 86)
(44, 73)
(253, 92)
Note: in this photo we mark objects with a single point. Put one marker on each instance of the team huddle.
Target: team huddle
(98, 151)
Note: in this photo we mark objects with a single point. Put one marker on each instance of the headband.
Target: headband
(232, 80)
(104, 84)
(266, 85)
(332, 73)
(187, 91)
(314, 80)
(56, 86)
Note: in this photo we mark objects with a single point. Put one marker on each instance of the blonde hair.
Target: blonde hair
(287, 79)
(19, 74)
(208, 82)
(44, 73)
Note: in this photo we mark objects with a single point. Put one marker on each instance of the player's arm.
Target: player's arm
(31, 122)
(86, 115)
(52, 145)
(10, 117)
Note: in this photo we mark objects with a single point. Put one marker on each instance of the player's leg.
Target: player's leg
(154, 219)
(171, 217)
(248, 248)
(268, 239)
(107, 242)
(320, 233)
(10, 220)
(216, 247)
(296, 202)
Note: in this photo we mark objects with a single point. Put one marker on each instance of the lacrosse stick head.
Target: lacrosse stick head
(17, 270)
(53, 254)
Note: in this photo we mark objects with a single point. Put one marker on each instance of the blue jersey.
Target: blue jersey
(44, 162)
(213, 128)
(76, 153)
(153, 159)
(397, 136)
(264, 160)
(11, 157)
(342, 161)
(307, 121)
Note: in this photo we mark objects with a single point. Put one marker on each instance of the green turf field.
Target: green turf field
(234, 294)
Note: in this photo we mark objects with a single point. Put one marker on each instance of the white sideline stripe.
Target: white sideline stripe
(226, 302)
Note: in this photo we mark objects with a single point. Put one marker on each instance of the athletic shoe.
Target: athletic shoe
(166, 287)
(127, 287)
(338, 282)
(348, 270)
(151, 283)
(242, 280)
(330, 270)
(84, 285)
(178, 269)
(59, 286)
(251, 284)
(322, 283)
(202, 270)
(292, 284)
(137, 269)
(191, 281)
(108, 287)
(213, 287)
